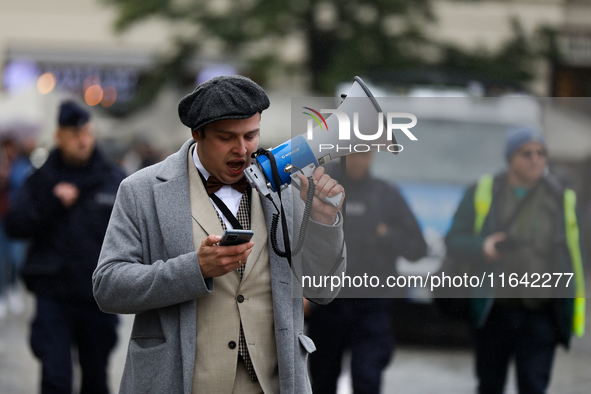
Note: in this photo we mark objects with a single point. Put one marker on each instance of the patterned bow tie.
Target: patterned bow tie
(214, 184)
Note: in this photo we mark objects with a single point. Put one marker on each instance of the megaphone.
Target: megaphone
(358, 125)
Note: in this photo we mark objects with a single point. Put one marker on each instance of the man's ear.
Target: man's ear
(197, 134)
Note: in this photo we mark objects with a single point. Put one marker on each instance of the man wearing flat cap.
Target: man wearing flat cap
(210, 318)
(521, 223)
(64, 208)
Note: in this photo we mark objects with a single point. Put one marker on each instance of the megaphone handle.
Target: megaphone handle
(334, 200)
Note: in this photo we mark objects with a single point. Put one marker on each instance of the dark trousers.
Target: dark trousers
(361, 325)
(512, 332)
(59, 326)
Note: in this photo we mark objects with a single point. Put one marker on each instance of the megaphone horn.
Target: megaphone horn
(358, 125)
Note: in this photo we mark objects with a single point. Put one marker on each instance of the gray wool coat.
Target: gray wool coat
(148, 267)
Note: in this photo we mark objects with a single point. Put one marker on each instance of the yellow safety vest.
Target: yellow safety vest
(482, 202)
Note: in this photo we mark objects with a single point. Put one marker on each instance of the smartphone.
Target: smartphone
(236, 237)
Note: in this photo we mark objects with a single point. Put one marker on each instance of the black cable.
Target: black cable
(287, 253)
(276, 180)
(303, 228)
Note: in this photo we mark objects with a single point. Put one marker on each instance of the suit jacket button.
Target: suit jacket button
(232, 345)
(240, 298)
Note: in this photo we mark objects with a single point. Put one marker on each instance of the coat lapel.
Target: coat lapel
(283, 313)
(205, 215)
(173, 206)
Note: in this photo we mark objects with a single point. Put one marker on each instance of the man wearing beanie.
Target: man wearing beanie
(210, 318)
(64, 208)
(522, 223)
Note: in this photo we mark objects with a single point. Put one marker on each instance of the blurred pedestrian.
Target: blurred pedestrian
(15, 167)
(142, 154)
(64, 209)
(521, 221)
(379, 227)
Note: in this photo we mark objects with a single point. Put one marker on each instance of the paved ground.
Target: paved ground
(20, 371)
(414, 370)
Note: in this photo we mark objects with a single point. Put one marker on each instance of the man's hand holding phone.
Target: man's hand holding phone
(217, 259)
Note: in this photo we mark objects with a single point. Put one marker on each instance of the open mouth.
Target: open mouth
(236, 166)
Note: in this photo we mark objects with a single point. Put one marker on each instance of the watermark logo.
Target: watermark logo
(318, 115)
(392, 121)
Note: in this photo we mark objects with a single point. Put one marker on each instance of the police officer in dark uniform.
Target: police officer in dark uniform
(379, 227)
(64, 208)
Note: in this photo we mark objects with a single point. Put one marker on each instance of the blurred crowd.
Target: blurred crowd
(20, 155)
(15, 167)
(54, 208)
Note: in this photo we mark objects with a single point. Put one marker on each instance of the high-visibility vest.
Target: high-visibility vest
(482, 202)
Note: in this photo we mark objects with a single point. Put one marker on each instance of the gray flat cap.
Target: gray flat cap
(225, 97)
